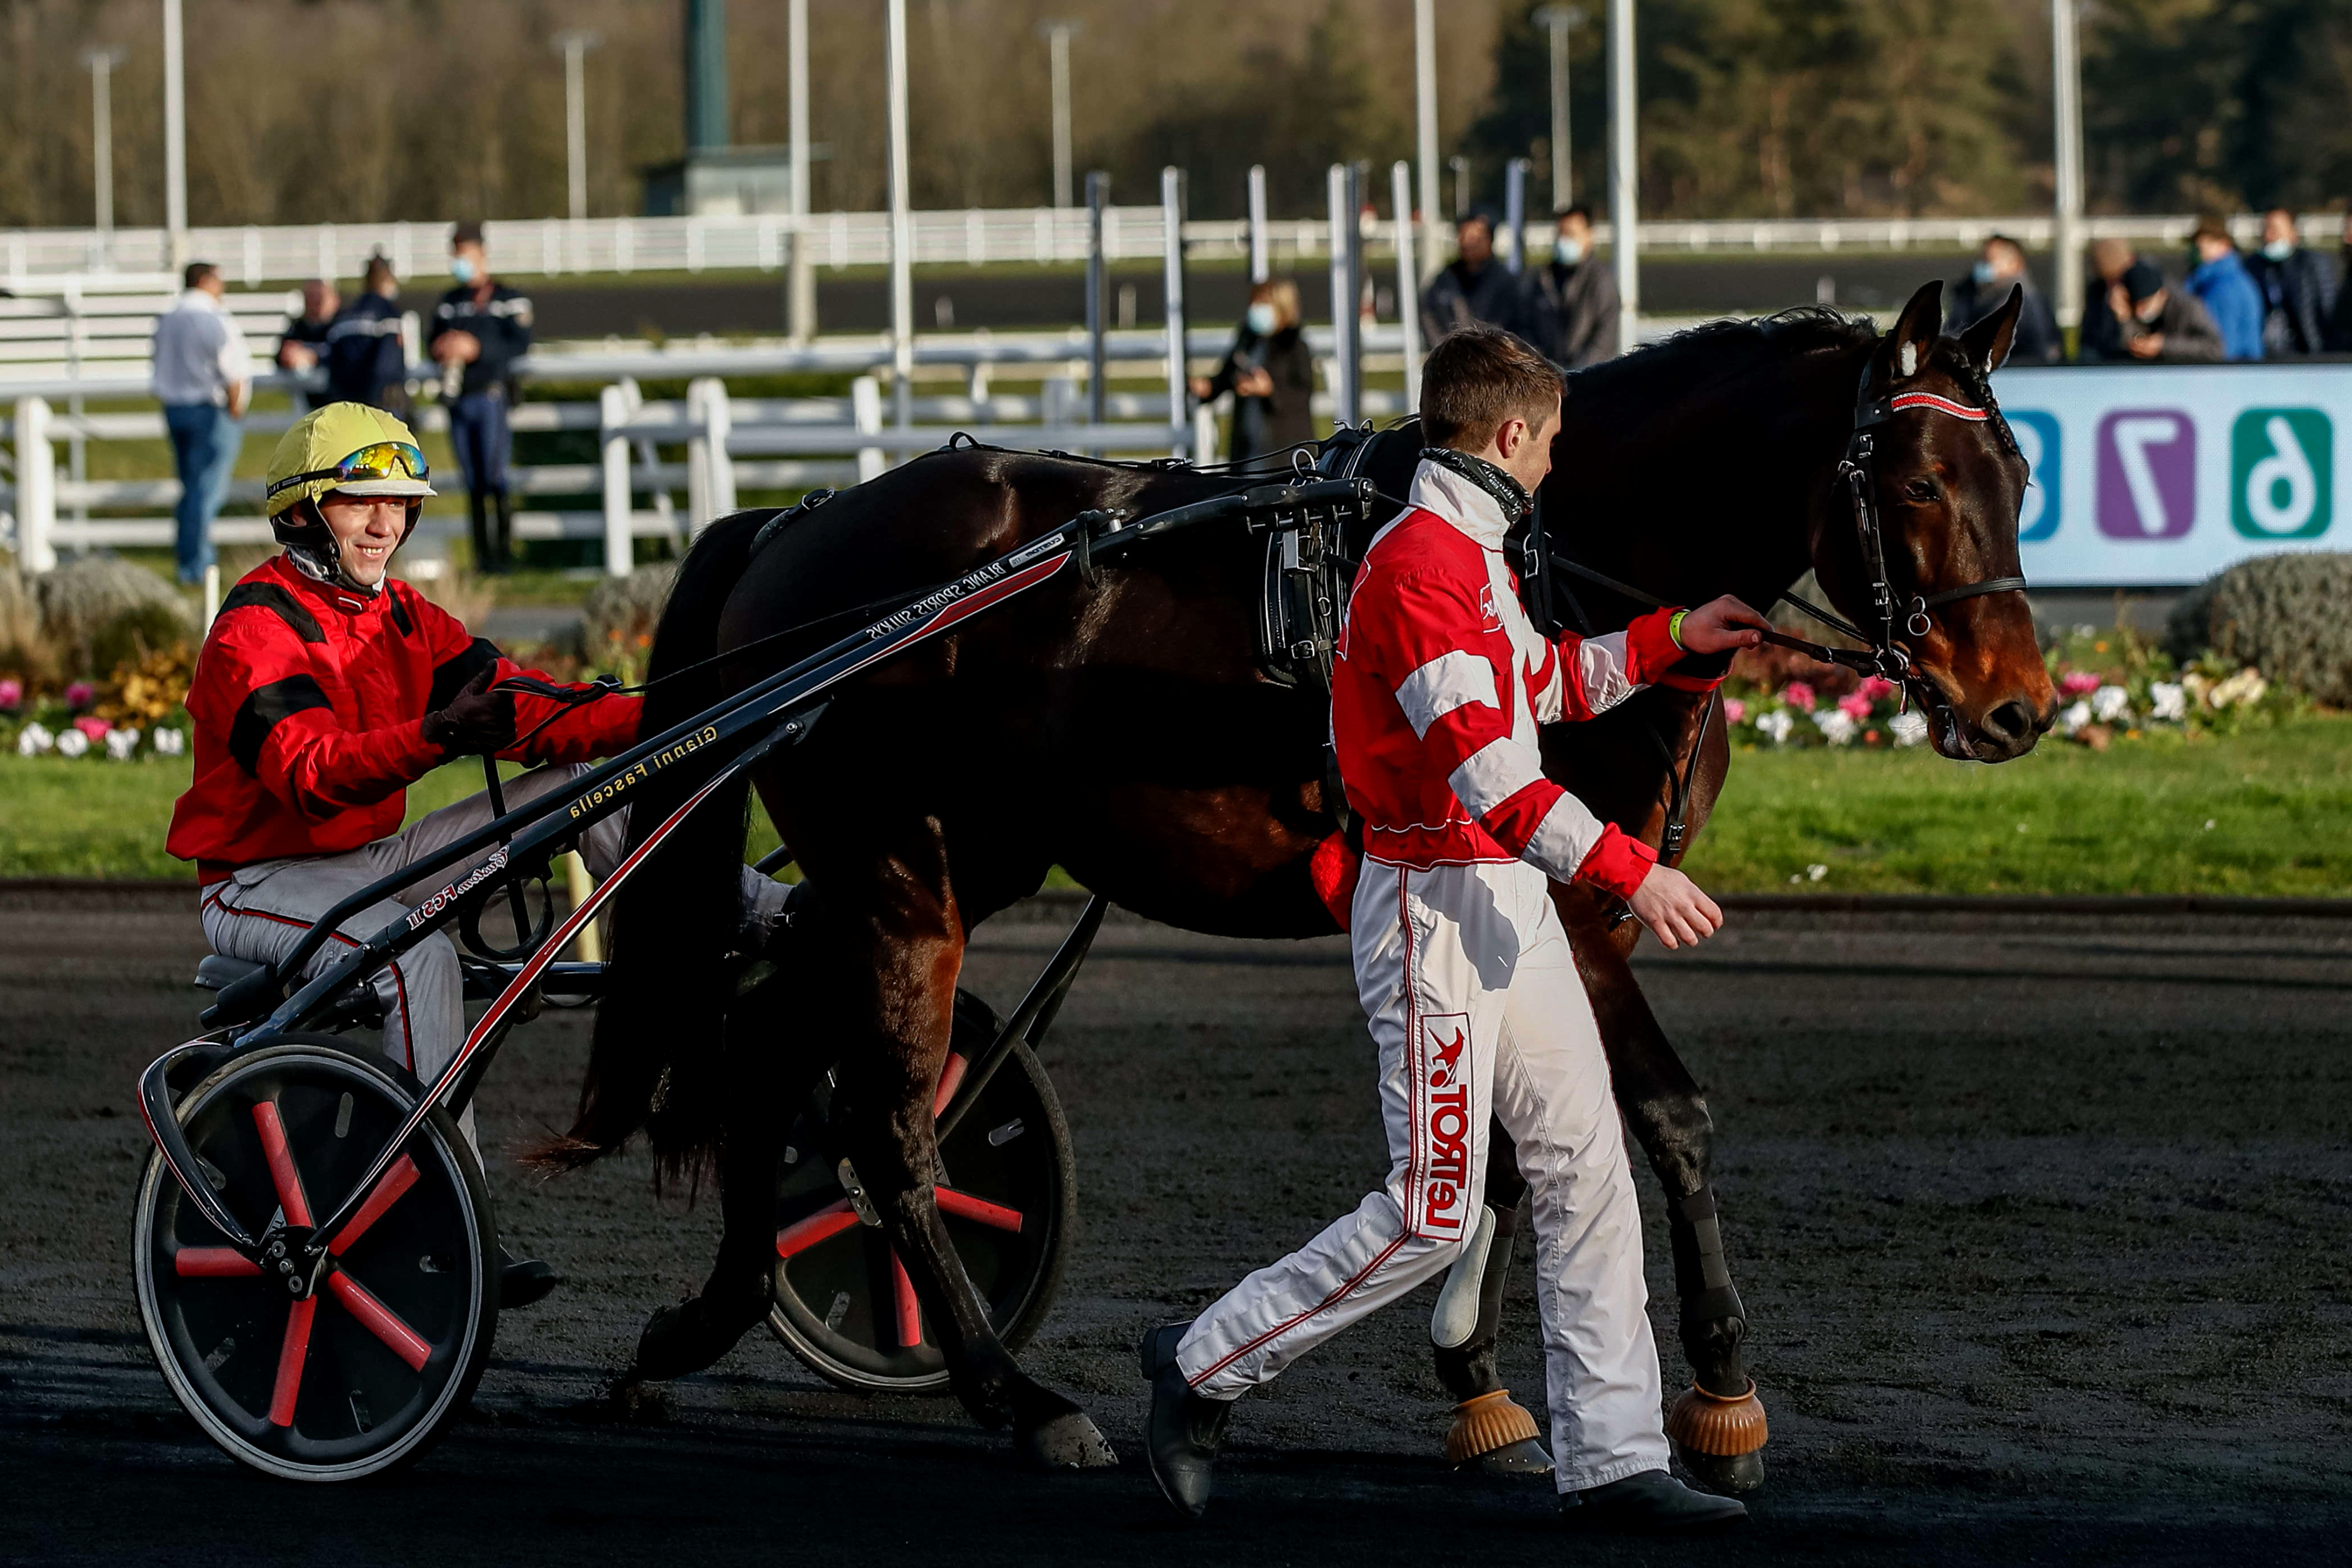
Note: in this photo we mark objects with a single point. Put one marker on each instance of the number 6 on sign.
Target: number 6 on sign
(2281, 468)
(2148, 473)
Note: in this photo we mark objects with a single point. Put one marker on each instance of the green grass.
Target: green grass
(2062, 820)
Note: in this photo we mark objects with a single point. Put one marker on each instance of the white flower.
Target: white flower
(2167, 701)
(1816, 872)
(2076, 716)
(1836, 725)
(1909, 729)
(1776, 724)
(2246, 686)
(121, 743)
(33, 740)
(72, 743)
(170, 742)
(2110, 703)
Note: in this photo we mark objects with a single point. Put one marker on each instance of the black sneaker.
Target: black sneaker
(1182, 1435)
(522, 1281)
(1651, 1503)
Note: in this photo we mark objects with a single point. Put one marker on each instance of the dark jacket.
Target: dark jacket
(2337, 334)
(2101, 336)
(2298, 297)
(502, 323)
(363, 350)
(2190, 335)
(304, 330)
(1456, 298)
(1263, 425)
(1570, 312)
(2037, 341)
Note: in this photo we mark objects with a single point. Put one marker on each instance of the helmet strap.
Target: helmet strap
(318, 555)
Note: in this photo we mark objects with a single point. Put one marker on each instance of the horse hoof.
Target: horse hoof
(1067, 1442)
(1491, 1426)
(1720, 1439)
(681, 1340)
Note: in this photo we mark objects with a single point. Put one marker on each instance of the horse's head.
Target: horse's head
(1946, 480)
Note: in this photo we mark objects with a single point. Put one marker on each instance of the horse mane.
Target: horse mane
(1663, 373)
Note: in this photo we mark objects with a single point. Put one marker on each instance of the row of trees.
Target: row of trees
(311, 110)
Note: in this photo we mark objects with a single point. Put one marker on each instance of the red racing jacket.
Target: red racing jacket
(309, 704)
(1440, 682)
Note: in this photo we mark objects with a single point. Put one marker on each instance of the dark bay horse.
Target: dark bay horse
(1121, 728)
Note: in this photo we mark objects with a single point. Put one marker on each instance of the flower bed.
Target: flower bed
(136, 714)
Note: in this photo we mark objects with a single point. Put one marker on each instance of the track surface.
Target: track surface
(2041, 1223)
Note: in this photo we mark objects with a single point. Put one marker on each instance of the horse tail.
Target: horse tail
(655, 1059)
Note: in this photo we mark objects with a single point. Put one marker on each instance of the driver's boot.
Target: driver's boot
(1182, 1435)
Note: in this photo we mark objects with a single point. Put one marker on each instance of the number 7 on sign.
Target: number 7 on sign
(2147, 474)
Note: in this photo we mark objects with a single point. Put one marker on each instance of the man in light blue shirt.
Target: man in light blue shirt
(2229, 293)
(203, 375)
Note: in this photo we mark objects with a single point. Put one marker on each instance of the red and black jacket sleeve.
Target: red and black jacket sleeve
(572, 732)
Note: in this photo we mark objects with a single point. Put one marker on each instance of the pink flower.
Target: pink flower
(1797, 694)
(95, 729)
(2078, 681)
(1734, 710)
(1874, 687)
(1855, 707)
(78, 694)
(11, 693)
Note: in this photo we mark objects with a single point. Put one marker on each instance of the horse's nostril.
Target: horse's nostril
(2007, 721)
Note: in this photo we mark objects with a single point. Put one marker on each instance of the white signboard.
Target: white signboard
(2159, 476)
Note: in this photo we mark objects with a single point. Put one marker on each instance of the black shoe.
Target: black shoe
(1181, 1436)
(522, 1281)
(1651, 1503)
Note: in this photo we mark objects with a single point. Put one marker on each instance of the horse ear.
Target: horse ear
(1904, 352)
(1987, 342)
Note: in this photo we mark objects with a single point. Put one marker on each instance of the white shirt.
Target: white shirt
(198, 351)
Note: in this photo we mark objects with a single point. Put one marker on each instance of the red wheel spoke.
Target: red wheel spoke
(282, 1173)
(910, 1311)
(963, 1205)
(292, 1352)
(380, 1320)
(950, 1078)
(822, 1225)
(212, 1263)
(403, 1175)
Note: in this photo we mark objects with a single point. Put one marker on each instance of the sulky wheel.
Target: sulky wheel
(844, 1303)
(360, 1374)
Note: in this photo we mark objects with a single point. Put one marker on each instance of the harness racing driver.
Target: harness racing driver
(324, 689)
(1464, 968)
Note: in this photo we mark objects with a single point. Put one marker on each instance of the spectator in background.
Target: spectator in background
(2101, 336)
(203, 375)
(2219, 283)
(1570, 302)
(479, 330)
(2338, 332)
(2161, 323)
(1471, 288)
(1270, 374)
(2000, 267)
(304, 340)
(365, 360)
(2298, 289)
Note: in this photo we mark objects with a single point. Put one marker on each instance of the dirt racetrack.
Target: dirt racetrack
(2042, 1225)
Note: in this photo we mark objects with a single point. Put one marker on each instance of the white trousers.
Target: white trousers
(263, 909)
(1476, 1007)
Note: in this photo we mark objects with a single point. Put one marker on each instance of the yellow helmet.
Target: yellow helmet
(349, 447)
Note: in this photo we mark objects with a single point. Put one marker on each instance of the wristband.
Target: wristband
(1675, 629)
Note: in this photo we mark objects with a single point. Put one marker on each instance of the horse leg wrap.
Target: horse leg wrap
(1718, 1423)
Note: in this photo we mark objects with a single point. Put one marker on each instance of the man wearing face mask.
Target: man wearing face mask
(2298, 289)
(1999, 268)
(2161, 323)
(479, 330)
(1571, 301)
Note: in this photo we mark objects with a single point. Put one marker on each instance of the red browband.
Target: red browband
(1940, 405)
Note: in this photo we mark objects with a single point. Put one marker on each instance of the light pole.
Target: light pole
(1624, 202)
(902, 224)
(101, 63)
(1057, 37)
(574, 45)
(2066, 95)
(1424, 100)
(799, 301)
(1559, 19)
(175, 136)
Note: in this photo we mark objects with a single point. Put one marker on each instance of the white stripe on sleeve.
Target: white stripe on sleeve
(1563, 839)
(1601, 662)
(1451, 680)
(1492, 774)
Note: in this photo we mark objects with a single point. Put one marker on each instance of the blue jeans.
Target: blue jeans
(204, 443)
(478, 429)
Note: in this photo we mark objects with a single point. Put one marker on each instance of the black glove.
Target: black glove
(478, 721)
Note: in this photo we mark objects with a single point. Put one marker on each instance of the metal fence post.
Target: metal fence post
(37, 486)
(865, 412)
(1257, 248)
(1097, 197)
(1408, 282)
(612, 416)
(1172, 220)
(1345, 382)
